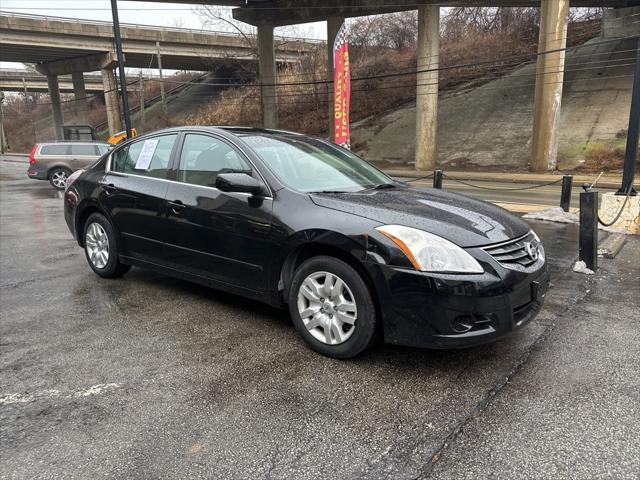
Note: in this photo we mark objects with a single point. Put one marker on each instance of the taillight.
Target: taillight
(72, 178)
(32, 155)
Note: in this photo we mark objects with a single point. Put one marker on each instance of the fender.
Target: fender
(311, 242)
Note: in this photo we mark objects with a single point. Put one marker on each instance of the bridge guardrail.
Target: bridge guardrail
(151, 27)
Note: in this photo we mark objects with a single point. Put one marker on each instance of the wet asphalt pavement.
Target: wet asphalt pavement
(153, 377)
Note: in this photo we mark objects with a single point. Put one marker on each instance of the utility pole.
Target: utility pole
(3, 139)
(141, 94)
(123, 77)
(162, 94)
(26, 103)
(631, 154)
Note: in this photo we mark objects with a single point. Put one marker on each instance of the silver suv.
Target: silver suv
(55, 161)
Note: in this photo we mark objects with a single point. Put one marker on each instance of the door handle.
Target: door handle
(177, 207)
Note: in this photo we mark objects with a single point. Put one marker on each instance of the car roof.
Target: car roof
(74, 142)
(233, 130)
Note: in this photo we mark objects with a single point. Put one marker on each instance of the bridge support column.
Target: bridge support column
(267, 76)
(56, 108)
(427, 87)
(111, 101)
(333, 27)
(80, 97)
(549, 81)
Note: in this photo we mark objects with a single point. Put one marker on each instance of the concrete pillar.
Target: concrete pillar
(56, 109)
(80, 97)
(333, 26)
(550, 76)
(267, 75)
(427, 87)
(111, 100)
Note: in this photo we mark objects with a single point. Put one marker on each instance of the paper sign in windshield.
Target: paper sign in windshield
(148, 149)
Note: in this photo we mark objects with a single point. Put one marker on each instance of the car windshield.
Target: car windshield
(311, 165)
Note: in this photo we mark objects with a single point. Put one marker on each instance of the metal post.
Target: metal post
(162, 94)
(565, 195)
(123, 76)
(589, 229)
(141, 94)
(633, 131)
(437, 179)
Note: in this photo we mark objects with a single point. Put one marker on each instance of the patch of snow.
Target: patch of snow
(581, 267)
(554, 214)
(557, 215)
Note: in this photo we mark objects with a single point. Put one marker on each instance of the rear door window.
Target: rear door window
(84, 150)
(148, 158)
(61, 149)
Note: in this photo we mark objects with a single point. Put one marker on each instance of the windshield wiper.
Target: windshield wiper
(382, 186)
(331, 191)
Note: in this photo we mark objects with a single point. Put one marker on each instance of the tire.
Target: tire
(58, 177)
(100, 247)
(332, 326)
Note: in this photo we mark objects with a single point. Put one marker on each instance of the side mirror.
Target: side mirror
(238, 182)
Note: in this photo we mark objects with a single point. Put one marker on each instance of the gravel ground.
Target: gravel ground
(152, 377)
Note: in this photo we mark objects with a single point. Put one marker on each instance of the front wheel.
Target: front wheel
(58, 177)
(100, 247)
(332, 308)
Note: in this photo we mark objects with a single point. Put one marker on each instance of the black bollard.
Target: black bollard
(589, 229)
(437, 179)
(565, 195)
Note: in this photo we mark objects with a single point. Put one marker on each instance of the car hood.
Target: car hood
(465, 221)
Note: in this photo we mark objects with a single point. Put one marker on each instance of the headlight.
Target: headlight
(430, 253)
(538, 245)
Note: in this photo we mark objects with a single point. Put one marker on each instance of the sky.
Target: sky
(144, 13)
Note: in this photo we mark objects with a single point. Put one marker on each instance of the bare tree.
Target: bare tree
(393, 30)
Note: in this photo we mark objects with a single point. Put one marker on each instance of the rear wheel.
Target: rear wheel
(332, 308)
(58, 177)
(100, 247)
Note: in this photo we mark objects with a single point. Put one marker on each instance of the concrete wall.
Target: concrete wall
(621, 22)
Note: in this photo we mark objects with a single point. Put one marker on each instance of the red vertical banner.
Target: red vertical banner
(341, 89)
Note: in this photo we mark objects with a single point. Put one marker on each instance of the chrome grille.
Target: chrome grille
(522, 251)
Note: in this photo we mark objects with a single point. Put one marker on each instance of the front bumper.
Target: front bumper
(453, 311)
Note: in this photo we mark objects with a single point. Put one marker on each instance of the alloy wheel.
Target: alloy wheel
(97, 244)
(327, 308)
(59, 178)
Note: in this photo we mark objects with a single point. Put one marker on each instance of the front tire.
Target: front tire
(101, 249)
(58, 177)
(332, 308)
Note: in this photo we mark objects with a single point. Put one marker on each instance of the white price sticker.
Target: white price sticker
(148, 149)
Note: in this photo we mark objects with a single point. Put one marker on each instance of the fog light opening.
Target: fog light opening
(463, 323)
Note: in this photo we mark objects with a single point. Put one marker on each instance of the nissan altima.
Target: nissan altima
(300, 223)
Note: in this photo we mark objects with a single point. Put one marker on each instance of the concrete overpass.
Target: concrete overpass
(17, 80)
(60, 46)
(44, 39)
(267, 14)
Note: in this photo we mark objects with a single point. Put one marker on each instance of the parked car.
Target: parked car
(55, 161)
(296, 221)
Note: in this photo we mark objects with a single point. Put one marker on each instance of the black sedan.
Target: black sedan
(296, 221)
